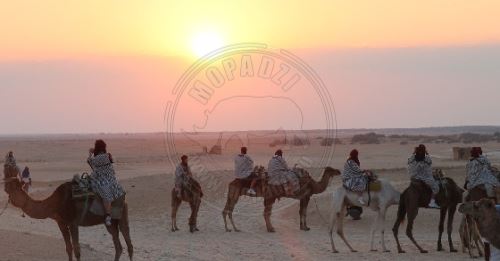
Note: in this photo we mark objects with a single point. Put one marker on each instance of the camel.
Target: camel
(470, 237)
(61, 208)
(308, 187)
(379, 202)
(418, 195)
(487, 219)
(191, 193)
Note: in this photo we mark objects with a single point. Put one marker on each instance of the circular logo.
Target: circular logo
(254, 96)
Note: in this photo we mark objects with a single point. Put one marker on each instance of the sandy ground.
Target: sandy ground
(146, 174)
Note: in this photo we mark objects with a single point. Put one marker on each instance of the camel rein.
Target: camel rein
(7, 180)
(319, 212)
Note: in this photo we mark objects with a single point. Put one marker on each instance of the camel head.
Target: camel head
(479, 209)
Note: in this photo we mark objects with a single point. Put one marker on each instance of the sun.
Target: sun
(204, 42)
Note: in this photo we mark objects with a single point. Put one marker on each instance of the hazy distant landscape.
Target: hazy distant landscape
(145, 169)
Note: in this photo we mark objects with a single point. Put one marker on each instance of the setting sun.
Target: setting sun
(204, 42)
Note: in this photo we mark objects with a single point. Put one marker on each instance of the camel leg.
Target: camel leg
(412, 214)
(113, 230)
(73, 229)
(382, 230)
(379, 224)
(340, 229)
(176, 202)
(333, 221)
(395, 229)
(125, 230)
(442, 216)
(67, 239)
(463, 234)
(194, 214)
(372, 232)
(477, 237)
(268, 208)
(451, 215)
(228, 211)
(303, 213)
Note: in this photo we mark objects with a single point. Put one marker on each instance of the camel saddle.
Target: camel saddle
(86, 200)
(375, 186)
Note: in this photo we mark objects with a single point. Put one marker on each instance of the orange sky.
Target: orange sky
(56, 28)
(378, 59)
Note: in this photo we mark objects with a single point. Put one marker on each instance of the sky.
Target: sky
(111, 66)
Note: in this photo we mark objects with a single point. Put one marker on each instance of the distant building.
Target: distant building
(461, 153)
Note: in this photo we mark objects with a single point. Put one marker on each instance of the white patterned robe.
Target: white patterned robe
(11, 161)
(422, 170)
(353, 177)
(243, 166)
(182, 175)
(479, 173)
(103, 179)
(280, 174)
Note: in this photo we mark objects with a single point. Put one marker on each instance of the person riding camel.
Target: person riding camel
(479, 173)
(11, 161)
(353, 177)
(420, 168)
(182, 175)
(280, 174)
(243, 170)
(102, 179)
(26, 179)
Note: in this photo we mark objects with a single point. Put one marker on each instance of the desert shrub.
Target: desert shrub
(330, 141)
(277, 142)
(368, 138)
(497, 136)
(475, 138)
(403, 143)
(297, 141)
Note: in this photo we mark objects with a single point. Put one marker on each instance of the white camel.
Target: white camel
(379, 202)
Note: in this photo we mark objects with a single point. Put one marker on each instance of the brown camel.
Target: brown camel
(487, 219)
(418, 195)
(470, 237)
(470, 234)
(60, 207)
(308, 187)
(191, 193)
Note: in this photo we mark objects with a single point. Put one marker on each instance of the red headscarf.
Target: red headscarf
(475, 152)
(354, 156)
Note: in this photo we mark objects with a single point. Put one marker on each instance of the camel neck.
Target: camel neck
(320, 186)
(38, 209)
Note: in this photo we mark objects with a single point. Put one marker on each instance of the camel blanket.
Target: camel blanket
(87, 200)
(97, 208)
(375, 186)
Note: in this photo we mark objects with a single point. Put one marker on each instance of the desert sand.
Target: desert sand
(147, 175)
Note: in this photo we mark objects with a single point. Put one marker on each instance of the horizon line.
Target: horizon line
(3, 135)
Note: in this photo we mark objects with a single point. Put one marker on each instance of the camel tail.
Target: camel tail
(402, 209)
